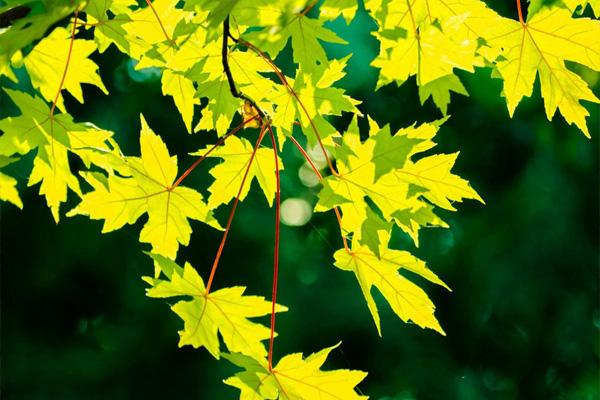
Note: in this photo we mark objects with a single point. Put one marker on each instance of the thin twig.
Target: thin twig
(214, 146)
(316, 170)
(276, 250)
(232, 212)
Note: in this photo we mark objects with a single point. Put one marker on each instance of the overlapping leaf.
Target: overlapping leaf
(382, 169)
(310, 99)
(236, 154)
(32, 26)
(306, 35)
(381, 182)
(430, 39)
(53, 137)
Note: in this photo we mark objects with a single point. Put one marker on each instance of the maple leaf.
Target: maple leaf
(440, 89)
(430, 39)
(540, 47)
(152, 30)
(8, 184)
(380, 270)
(46, 63)
(219, 9)
(306, 35)
(382, 170)
(146, 187)
(53, 137)
(313, 99)
(225, 311)
(236, 154)
(212, 84)
(294, 378)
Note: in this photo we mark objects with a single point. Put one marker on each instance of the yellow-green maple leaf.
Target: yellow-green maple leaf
(440, 89)
(540, 47)
(294, 378)
(225, 311)
(428, 38)
(306, 35)
(47, 60)
(314, 99)
(236, 154)
(53, 137)
(382, 169)
(408, 300)
(146, 188)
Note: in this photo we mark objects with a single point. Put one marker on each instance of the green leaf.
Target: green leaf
(440, 89)
(53, 138)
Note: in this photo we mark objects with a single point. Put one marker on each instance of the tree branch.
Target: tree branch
(232, 87)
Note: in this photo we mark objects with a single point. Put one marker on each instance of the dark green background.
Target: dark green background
(522, 321)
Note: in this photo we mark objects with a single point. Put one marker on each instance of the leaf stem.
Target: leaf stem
(520, 11)
(232, 212)
(67, 62)
(276, 250)
(308, 8)
(285, 83)
(214, 146)
(316, 170)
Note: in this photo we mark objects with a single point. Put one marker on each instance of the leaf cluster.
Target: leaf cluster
(226, 55)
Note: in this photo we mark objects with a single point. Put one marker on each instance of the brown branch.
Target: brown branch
(7, 17)
(232, 87)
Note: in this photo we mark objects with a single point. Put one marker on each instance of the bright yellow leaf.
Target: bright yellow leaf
(46, 64)
(294, 378)
(146, 188)
(540, 47)
(408, 300)
(206, 315)
(228, 175)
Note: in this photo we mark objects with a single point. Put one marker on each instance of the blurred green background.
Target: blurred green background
(522, 321)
